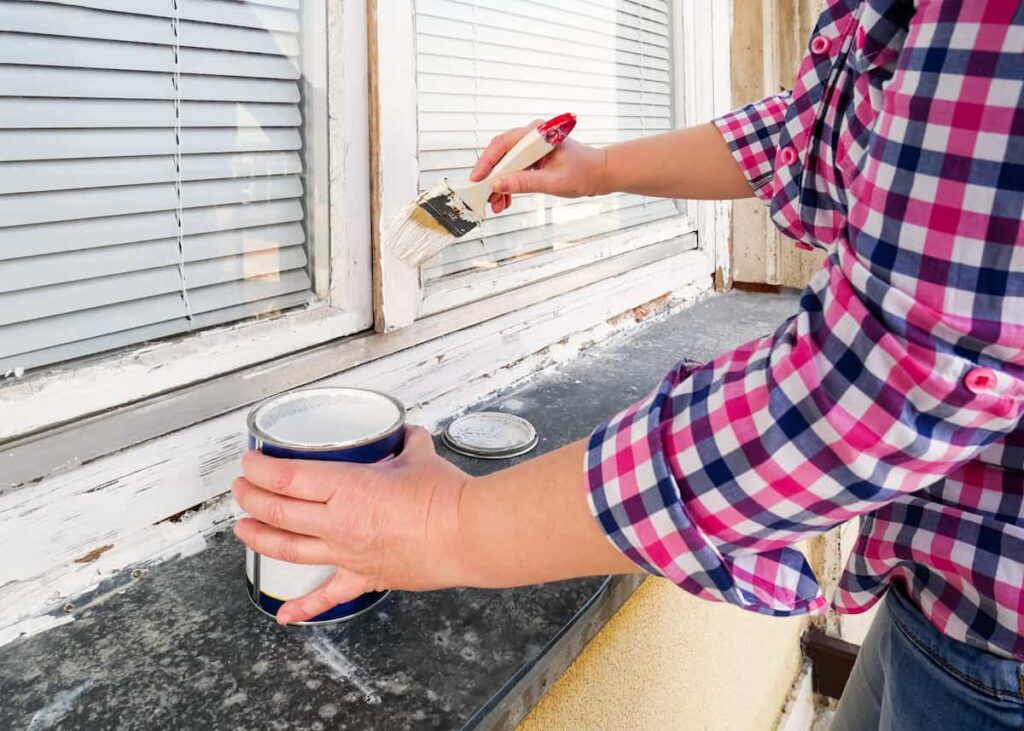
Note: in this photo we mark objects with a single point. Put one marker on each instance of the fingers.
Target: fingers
(500, 201)
(497, 149)
(342, 587)
(291, 547)
(524, 181)
(297, 516)
(298, 478)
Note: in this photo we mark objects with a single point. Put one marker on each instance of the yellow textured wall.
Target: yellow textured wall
(670, 661)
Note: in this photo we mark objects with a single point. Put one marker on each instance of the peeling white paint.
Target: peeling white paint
(32, 626)
(124, 500)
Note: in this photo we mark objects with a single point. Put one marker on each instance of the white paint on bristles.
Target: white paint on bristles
(340, 666)
(415, 236)
(325, 418)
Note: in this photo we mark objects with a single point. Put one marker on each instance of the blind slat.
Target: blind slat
(39, 176)
(86, 53)
(64, 114)
(72, 266)
(474, 103)
(541, 59)
(265, 15)
(54, 238)
(42, 81)
(459, 85)
(539, 21)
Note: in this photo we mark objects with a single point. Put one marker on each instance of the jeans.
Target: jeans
(910, 677)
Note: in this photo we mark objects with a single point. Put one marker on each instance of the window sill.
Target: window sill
(459, 658)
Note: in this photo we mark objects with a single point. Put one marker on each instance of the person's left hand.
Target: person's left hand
(391, 525)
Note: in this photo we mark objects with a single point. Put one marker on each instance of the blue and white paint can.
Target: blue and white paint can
(339, 424)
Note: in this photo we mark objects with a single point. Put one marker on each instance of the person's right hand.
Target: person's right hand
(571, 170)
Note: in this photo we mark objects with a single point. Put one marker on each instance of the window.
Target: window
(465, 70)
(189, 191)
(483, 66)
(157, 173)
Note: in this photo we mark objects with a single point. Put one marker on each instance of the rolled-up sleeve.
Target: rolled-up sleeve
(752, 134)
(905, 359)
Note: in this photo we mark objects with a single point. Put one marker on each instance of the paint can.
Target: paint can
(339, 424)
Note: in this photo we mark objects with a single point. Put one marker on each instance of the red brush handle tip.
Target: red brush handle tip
(556, 129)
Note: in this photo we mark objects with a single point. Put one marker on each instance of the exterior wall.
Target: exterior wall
(769, 39)
(668, 660)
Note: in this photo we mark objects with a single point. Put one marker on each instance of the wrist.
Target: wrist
(602, 185)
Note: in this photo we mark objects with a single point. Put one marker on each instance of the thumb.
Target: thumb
(340, 588)
(524, 181)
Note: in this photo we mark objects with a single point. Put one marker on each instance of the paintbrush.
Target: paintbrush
(450, 210)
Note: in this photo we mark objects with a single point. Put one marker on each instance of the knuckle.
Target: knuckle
(326, 596)
(289, 550)
(275, 512)
(285, 476)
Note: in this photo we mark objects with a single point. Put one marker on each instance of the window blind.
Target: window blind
(151, 170)
(486, 65)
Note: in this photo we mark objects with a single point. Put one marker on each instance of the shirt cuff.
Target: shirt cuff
(752, 134)
(637, 502)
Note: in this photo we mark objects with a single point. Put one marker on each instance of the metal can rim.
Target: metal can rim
(503, 452)
(349, 444)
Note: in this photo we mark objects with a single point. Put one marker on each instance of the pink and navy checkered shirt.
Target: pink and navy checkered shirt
(896, 393)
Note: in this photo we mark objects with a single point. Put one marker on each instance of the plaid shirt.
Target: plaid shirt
(896, 393)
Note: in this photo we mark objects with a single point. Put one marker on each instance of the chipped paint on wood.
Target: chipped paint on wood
(124, 499)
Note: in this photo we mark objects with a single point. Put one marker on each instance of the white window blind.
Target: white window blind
(151, 170)
(486, 65)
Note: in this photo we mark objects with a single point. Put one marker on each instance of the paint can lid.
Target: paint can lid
(490, 435)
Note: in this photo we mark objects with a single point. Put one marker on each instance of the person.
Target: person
(895, 393)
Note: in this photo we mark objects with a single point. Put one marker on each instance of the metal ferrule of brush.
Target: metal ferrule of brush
(449, 211)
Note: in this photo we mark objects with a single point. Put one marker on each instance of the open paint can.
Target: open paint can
(339, 424)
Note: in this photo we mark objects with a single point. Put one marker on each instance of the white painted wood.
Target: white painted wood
(393, 90)
(351, 280)
(68, 392)
(118, 499)
(61, 449)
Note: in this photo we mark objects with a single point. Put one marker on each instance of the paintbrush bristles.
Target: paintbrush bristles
(415, 236)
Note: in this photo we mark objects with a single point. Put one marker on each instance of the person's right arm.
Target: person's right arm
(693, 163)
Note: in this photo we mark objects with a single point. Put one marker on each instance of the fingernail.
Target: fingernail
(284, 617)
(499, 185)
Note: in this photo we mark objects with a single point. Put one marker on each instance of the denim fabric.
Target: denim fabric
(910, 677)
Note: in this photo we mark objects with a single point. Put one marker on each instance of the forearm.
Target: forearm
(531, 523)
(692, 163)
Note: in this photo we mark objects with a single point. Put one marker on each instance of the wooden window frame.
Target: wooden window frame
(336, 201)
(53, 422)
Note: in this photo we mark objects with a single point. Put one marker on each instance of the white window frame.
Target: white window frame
(337, 201)
(81, 407)
(401, 293)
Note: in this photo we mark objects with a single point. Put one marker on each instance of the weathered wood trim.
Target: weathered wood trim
(351, 287)
(117, 500)
(72, 444)
(393, 153)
